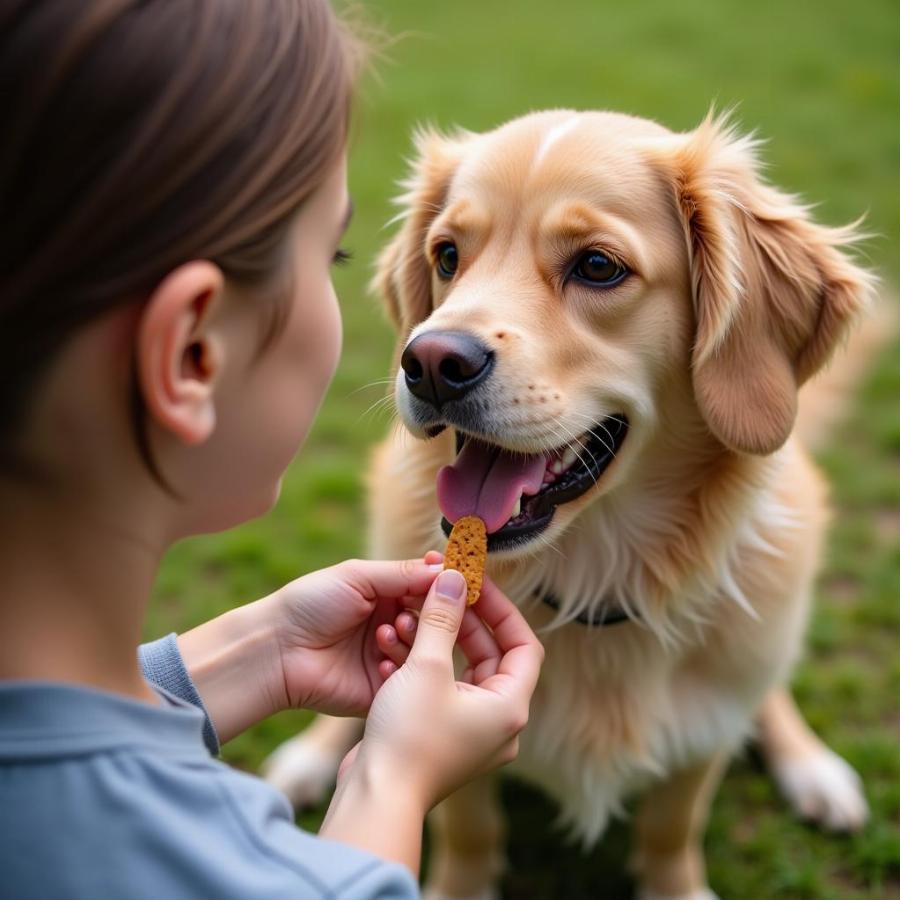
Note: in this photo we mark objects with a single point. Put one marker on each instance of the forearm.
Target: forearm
(377, 815)
(235, 665)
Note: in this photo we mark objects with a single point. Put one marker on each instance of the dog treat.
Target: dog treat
(467, 553)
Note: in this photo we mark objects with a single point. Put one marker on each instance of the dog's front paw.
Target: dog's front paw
(702, 894)
(824, 789)
(302, 770)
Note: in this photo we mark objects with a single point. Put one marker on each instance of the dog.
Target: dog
(604, 327)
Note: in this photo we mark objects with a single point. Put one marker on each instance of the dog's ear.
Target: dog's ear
(403, 272)
(773, 292)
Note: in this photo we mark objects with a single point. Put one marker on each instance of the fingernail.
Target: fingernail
(451, 585)
(435, 567)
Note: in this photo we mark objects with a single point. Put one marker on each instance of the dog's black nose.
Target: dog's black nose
(445, 365)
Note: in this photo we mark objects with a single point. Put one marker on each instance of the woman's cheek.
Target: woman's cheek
(336, 330)
(320, 354)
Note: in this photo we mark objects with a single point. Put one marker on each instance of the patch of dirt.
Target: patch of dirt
(887, 525)
(842, 589)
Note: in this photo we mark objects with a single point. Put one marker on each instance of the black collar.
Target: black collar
(612, 615)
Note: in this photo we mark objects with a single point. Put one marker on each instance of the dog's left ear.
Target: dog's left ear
(773, 292)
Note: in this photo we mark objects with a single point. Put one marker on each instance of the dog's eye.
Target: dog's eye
(447, 260)
(595, 267)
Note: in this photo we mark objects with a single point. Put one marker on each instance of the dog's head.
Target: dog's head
(573, 286)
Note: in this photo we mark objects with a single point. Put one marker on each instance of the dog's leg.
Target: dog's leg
(819, 785)
(669, 834)
(467, 835)
(305, 767)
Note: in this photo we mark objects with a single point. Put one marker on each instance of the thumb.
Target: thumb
(440, 618)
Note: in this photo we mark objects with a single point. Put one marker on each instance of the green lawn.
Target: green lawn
(821, 81)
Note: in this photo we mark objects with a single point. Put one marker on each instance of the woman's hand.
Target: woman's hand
(311, 643)
(443, 731)
(327, 641)
(428, 733)
(326, 623)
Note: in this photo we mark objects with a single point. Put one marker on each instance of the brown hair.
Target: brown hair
(140, 134)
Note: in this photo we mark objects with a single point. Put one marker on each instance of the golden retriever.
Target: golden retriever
(604, 326)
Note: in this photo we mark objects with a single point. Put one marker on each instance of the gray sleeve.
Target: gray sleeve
(324, 868)
(163, 665)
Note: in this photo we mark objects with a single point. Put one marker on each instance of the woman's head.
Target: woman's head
(144, 135)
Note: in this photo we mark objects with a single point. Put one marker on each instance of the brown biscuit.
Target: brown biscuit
(467, 553)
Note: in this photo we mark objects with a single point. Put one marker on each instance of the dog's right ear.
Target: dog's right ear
(403, 271)
(774, 293)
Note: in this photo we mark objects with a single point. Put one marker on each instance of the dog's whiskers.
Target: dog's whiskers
(609, 447)
(377, 407)
(575, 439)
(379, 382)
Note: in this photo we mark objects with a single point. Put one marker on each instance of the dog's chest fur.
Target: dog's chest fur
(717, 623)
(608, 718)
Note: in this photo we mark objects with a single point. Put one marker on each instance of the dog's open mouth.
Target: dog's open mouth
(516, 494)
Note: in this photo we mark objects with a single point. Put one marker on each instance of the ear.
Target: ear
(403, 272)
(178, 356)
(773, 292)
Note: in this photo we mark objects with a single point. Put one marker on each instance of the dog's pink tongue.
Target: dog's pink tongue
(486, 482)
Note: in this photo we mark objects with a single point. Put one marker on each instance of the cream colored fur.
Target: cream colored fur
(709, 525)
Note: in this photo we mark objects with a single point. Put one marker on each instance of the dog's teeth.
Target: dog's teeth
(557, 467)
(569, 458)
(517, 509)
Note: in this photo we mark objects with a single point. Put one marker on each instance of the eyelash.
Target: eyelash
(341, 257)
(623, 270)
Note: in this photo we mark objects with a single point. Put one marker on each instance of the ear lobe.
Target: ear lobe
(178, 358)
(773, 292)
(403, 273)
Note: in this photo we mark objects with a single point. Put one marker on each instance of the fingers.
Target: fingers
(440, 619)
(522, 653)
(391, 645)
(375, 579)
(493, 636)
(386, 668)
(502, 616)
(474, 639)
(517, 674)
(479, 647)
(405, 624)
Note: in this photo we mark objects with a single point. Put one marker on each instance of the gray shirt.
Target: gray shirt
(106, 797)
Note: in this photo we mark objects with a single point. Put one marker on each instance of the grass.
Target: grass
(821, 81)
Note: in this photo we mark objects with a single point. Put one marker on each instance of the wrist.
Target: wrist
(385, 781)
(378, 811)
(235, 665)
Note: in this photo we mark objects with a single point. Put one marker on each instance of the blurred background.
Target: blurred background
(821, 82)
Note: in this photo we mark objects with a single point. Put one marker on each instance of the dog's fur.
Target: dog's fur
(708, 525)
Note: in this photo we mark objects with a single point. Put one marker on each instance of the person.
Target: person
(173, 184)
